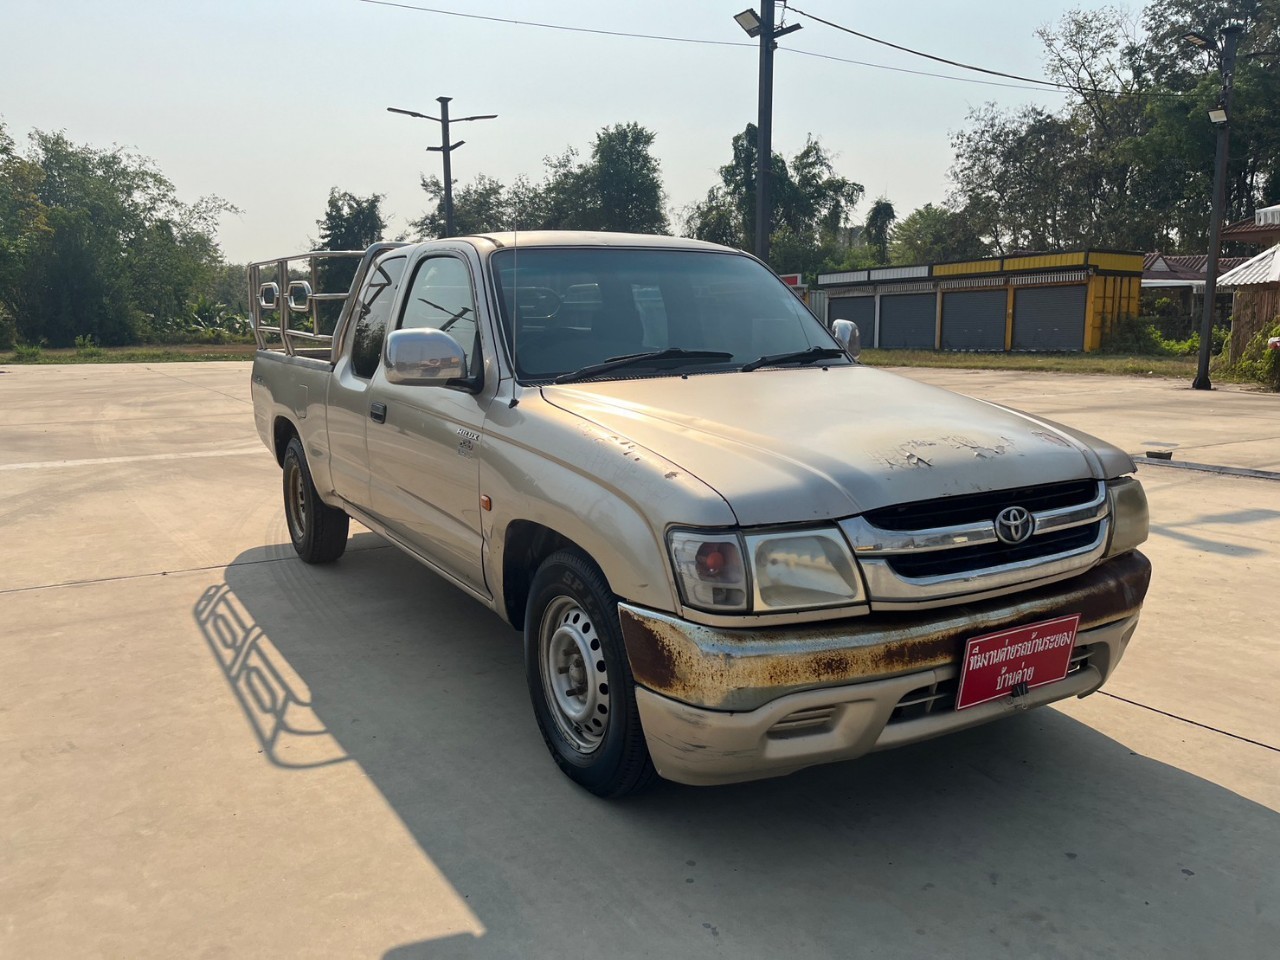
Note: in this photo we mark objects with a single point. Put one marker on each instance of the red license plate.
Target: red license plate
(998, 664)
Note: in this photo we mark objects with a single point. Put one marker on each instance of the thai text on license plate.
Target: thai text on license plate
(999, 664)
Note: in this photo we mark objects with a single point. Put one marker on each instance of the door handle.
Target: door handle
(378, 412)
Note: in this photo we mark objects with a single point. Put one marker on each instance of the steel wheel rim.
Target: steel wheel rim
(296, 503)
(575, 677)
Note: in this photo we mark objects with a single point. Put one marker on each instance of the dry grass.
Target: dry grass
(1169, 367)
(158, 354)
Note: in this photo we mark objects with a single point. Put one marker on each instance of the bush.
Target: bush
(85, 347)
(28, 352)
(1141, 337)
(1256, 362)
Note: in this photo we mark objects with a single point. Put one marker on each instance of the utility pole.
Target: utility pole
(762, 26)
(446, 148)
(1221, 118)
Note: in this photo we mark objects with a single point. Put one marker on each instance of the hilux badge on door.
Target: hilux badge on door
(1014, 525)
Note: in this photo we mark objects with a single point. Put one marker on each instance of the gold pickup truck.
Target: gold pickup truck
(733, 550)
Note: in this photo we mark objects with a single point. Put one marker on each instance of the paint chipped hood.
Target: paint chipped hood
(791, 445)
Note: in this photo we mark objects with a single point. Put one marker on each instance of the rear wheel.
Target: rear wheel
(579, 678)
(318, 531)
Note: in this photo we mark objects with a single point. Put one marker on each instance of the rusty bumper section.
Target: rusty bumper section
(721, 706)
(723, 669)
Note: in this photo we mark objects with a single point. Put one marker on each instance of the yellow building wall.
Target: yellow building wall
(1109, 299)
(1046, 261)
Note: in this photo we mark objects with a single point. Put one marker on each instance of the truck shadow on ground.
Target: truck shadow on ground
(1035, 836)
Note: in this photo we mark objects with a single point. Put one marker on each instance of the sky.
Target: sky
(270, 103)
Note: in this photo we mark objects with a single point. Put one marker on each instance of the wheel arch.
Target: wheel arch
(282, 431)
(526, 545)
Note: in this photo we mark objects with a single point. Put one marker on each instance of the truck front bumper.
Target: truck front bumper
(721, 706)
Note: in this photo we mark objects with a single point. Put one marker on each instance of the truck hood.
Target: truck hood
(792, 445)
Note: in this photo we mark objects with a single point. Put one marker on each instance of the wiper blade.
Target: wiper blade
(636, 359)
(811, 355)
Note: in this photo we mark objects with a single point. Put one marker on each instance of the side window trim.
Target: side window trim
(475, 351)
(362, 308)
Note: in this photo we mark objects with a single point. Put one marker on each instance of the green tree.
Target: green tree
(481, 206)
(1127, 161)
(880, 220)
(100, 245)
(931, 234)
(349, 223)
(812, 206)
(619, 187)
(625, 182)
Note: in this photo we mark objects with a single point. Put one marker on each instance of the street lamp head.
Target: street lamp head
(1197, 39)
(749, 21)
(1218, 115)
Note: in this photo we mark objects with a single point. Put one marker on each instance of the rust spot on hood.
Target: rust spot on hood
(737, 669)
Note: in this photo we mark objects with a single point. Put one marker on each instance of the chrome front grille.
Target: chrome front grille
(947, 551)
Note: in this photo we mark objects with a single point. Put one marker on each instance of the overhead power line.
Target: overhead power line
(929, 56)
(1025, 83)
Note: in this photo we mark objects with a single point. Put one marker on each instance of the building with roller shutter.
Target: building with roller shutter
(1051, 301)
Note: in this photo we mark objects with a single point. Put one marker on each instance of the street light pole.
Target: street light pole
(762, 26)
(764, 132)
(1227, 65)
(445, 149)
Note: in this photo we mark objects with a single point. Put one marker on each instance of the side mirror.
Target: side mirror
(846, 331)
(299, 296)
(423, 357)
(268, 296)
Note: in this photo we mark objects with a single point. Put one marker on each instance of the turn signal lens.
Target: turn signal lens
(709, 571)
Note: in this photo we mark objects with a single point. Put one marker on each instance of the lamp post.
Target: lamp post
(1220, 117)
(445, 148)
(762, 26)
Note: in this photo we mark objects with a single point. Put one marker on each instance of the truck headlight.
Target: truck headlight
(728, 572)
(796, 571)
(1129, 518)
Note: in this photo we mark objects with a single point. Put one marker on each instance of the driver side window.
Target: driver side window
(440, 296)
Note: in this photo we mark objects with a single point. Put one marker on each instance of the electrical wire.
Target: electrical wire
(930, 56)
(1040, 86)
(696, 40)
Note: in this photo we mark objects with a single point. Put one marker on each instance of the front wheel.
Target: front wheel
(318, 531)
(579, 678)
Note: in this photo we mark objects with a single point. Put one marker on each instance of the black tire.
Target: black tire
(603, 751)
(318, 531)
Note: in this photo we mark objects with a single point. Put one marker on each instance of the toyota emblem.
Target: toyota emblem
(1014, 525)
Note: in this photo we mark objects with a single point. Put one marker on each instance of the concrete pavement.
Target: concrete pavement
(208, 748)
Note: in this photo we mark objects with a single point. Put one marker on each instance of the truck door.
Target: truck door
(424, 471)
(348, 407)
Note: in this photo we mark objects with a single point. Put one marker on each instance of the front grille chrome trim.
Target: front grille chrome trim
(876, 548)
(869, 540)
(887, 586)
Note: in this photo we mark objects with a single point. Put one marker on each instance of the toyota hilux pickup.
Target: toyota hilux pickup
(733, 550)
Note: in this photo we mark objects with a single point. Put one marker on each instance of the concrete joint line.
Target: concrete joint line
(141, 458)
(1210, 468)
(1194, 723)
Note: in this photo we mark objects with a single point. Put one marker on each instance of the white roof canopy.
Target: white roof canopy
(1262, 269)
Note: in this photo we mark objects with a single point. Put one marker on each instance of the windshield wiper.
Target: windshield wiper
(811, 355)
(635, 359)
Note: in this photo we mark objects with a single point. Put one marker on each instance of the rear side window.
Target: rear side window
(372, 314)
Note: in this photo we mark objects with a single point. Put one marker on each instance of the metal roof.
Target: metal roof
(1262, 269)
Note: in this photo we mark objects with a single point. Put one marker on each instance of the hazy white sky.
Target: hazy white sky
(269, 103)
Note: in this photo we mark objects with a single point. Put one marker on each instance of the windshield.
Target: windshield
(565, 308)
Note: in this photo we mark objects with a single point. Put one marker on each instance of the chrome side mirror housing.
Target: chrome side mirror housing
(846, 331)
(423, 357)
